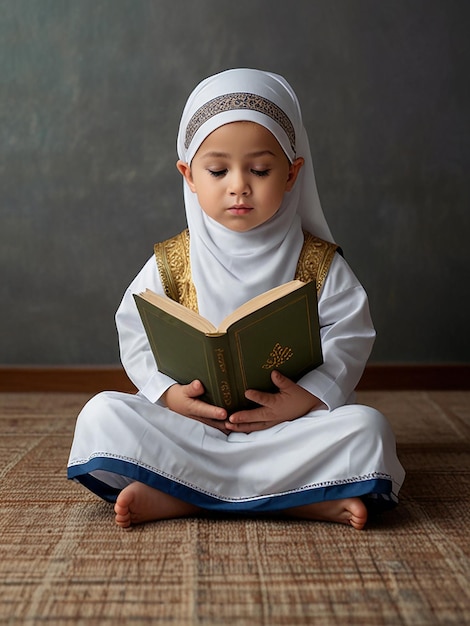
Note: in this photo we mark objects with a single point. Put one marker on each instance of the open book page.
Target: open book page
(258, 302)
(179, 311)
(201, 323)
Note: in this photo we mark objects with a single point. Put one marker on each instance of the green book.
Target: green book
(278, 329)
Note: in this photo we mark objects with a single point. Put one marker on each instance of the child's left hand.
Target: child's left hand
(289, 403)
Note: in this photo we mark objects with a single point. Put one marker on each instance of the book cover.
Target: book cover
(282, 334)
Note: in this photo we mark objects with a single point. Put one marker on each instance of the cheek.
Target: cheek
(207, 198)
(277, 194)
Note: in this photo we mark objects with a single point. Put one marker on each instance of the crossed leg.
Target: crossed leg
(138, 503)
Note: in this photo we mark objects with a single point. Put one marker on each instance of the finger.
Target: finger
(199, 408)
(269, 400)
(282, 382)
(203, 409)
(194, 389)
(251, 416)
(214, 423)
(263, 398)
(248, 427)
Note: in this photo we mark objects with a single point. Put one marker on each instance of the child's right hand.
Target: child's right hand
(184, 399)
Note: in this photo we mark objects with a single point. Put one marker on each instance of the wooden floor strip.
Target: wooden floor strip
(92, 379)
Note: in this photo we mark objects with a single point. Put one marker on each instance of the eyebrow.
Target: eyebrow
(258, 153)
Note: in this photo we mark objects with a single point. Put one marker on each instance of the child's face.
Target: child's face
(240, 174)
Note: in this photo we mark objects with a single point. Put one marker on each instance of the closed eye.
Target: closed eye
(217, 173)
(261, 172)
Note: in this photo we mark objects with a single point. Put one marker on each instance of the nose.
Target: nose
(238, 184)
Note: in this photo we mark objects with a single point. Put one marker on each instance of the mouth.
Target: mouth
(240, 209)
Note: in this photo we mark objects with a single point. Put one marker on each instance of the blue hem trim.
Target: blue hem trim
(378, 489)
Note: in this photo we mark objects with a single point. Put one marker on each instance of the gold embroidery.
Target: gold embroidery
(315, 260)
(278, 356)
(174, 266)
(175, 269)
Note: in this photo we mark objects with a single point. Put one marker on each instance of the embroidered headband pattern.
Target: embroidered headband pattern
(235, 101)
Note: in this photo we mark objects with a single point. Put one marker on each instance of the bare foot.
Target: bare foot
(347, 511)
(139, 503)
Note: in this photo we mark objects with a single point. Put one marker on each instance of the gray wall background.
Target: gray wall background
(91, 95)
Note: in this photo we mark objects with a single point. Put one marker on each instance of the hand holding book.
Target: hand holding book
(288, 403)
(186, 400)
(277, 330)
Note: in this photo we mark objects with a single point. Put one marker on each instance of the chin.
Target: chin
(240, 228)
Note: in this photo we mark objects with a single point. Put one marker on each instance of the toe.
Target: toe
(120, 510)
(123, 520)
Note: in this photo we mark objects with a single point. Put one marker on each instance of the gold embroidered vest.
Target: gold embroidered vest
(174, 265)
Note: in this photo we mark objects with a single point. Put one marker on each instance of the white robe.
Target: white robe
(339, 450)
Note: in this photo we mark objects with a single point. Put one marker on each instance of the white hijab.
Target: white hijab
(228, 268)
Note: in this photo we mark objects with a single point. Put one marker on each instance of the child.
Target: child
(254, 222)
